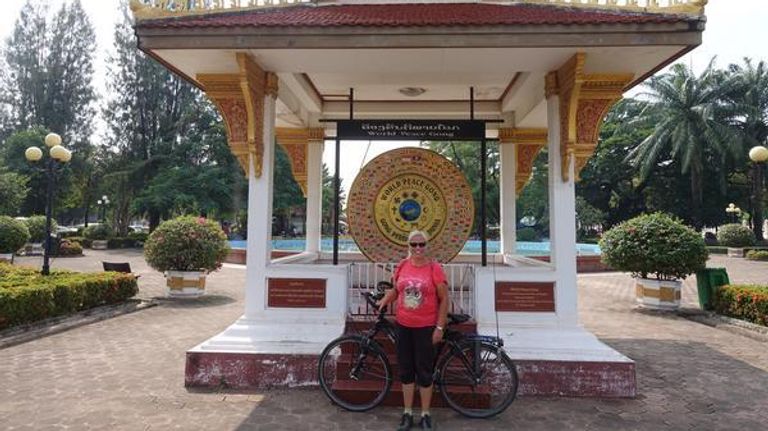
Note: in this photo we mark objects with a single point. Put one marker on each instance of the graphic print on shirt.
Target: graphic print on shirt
(413, 294)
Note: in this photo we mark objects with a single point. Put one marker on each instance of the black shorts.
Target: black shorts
(415, 355)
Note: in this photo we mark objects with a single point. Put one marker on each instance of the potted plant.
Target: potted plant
(659, 251)
(186, 249)
(36, 226)
(99, 235)
(735, 237)
(13, 235)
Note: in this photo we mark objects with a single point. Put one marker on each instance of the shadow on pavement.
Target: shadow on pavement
(201, 302)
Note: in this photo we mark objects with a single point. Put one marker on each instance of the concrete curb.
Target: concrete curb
(24, 333)
(736, 326)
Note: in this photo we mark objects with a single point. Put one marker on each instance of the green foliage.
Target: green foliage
(287, 194)
(85, 242)
(654, 244)
(747, 302)
(26, 296)
(588, 218)
(528, 234)
(533, 201)
(122, 242)
(138, 237)
(186, 244)
(735, 235)
(36, 226)
(98, 232)
(68, 247)
(758, 255)
(13, 234)
(13, 191)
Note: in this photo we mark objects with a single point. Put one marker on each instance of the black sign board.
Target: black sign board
(417, 130)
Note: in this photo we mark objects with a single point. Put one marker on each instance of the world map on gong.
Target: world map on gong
(410, 189)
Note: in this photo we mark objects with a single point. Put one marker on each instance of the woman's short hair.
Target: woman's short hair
(418, 233)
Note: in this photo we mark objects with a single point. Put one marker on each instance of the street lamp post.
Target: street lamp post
(759, 155)
(58, 157)
(102, 204)
(733, 211)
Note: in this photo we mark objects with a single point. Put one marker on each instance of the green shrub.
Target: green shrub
(528, 234)
(654, 244)
(757, 255)
(186, 244)
(36, 226)
(735, 235)
(120, 242)
(98, 232)
(743, 302)
(84, 242)
(26, 296)
(13, 234)
(138, 237)
(68, 247)
(717, 250)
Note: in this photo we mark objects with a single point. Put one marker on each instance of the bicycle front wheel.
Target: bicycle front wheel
(478, 381)
(354, 373)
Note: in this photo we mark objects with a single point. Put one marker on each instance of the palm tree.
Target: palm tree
(749, 98)
(691, 125)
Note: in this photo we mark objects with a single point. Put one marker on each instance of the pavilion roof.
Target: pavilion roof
(413, 15)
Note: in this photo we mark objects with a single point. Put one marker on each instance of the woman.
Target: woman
(421, 293)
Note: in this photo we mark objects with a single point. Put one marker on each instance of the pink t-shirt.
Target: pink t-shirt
(417, 293)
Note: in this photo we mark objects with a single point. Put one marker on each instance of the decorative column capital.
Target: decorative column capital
(240, 100)
(584, 101)
(528, 143)
(295, 142)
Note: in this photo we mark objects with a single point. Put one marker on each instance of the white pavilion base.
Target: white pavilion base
(551, 361)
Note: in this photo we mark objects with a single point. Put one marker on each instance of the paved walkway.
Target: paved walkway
(127, 373)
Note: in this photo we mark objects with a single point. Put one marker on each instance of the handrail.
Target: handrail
(149, 9)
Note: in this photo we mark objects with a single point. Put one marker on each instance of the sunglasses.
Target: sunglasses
(417, 244)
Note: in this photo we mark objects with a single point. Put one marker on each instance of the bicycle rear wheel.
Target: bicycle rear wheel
(354, 373)
(478, 381)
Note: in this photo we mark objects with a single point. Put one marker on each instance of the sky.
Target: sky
(735, 29)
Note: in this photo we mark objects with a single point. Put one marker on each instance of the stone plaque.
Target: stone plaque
(296, 292)
(525, 296)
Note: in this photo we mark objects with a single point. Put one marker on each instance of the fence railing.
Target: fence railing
(363, 277)
(163, 8)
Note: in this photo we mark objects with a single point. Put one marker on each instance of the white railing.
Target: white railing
(363, 277)
(164, 8)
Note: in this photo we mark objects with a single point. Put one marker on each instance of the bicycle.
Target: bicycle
(473, 373)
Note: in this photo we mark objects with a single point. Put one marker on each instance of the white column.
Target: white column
(508, 198)
(562, 222)
(314, 195)
(260, 218)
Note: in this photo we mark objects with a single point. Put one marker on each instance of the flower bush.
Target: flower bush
(186, 244)
(743, 302)
(13, 234)
(26, 296)
(36, 226)
(654, 244)
(70, 248)
(735, 235)
(98, 232)
(758, 255)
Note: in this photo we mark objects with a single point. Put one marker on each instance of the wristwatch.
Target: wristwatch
(439, 328)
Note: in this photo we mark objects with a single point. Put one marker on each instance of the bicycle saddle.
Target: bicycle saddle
(455, 319)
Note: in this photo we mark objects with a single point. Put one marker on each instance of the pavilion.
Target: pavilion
(544, 73)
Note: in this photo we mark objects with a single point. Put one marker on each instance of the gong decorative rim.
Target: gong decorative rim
(407, 189)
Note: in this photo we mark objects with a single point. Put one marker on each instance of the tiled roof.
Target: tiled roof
(412, 15)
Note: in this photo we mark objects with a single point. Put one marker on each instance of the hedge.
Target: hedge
(746, 302)
(757, 255)
(26, 296)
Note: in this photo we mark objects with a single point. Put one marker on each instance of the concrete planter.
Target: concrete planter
(185, 284)
(735, 252)
(658, 295)
(34, 249)
(99, 244)
(6, 257)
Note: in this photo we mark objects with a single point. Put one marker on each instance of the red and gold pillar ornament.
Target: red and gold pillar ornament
(528, 144)
(296, 143)
(240, 100)
(584, 101)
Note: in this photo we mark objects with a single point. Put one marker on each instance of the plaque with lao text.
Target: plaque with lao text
(296, 292)
(525, 296)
